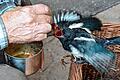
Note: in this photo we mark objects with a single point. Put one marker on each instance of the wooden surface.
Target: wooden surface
(75, 72)
(83, 72)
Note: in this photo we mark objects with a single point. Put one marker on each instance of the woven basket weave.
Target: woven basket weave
(87, 72)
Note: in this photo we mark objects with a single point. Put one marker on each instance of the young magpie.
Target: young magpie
(74, 32)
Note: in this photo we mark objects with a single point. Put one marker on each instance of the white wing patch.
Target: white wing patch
(87, 30)
(62, 16)
(58, 18)
(76, 25)
(83, 38)
(55, 20)
(75, 52)
(66, 16)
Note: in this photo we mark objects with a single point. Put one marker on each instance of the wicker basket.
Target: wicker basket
(87, 72)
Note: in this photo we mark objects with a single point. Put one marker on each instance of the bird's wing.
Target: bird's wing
(67, 16)
(95, 54)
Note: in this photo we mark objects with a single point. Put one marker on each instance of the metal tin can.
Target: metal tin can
(27, 57)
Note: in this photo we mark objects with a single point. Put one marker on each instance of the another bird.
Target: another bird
(75, 36)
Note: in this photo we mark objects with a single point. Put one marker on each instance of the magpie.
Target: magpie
(75, 35)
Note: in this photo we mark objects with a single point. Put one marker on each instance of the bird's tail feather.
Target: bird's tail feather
(102, 62)
(109, 41)
(113, 41)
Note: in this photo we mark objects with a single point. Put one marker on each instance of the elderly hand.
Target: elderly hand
(27, 24)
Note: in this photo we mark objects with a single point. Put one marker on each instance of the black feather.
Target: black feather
(92, 23)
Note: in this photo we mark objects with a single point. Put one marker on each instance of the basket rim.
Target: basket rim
(111, 25)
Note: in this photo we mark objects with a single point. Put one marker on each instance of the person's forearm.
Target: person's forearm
(3, 35)
(5, 5)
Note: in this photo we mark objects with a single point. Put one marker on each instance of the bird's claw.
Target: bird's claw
(63, 62)
(80, 61)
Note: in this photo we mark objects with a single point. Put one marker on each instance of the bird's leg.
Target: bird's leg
(79, 60)
(63, 62)
(63, 59)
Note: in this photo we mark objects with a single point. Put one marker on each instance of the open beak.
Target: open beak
(56, 31)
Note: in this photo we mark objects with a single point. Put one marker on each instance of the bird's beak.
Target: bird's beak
(56, 31)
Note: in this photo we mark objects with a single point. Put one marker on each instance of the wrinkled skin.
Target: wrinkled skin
(27, 24)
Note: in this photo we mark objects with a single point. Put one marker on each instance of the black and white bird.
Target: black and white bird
(76, 37)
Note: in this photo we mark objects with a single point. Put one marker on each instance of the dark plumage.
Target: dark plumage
(72, 17)
(109, 41)
(92, 23)
(77, 38)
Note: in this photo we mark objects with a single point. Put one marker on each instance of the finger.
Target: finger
(43, 19)
(42, 28)
(39, 37)
(41, 9)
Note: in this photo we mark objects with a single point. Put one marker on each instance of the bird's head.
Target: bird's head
(65, 21)
(56, 31)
